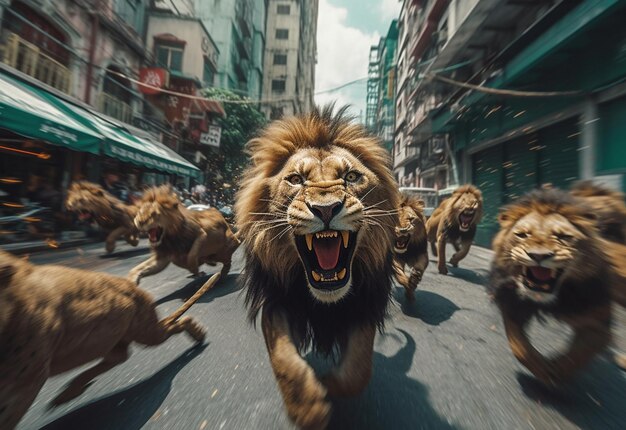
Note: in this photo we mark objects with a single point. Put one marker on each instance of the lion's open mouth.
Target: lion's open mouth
(326, 256)
(402, 242)
(155, 234)
(541, 279)
(84, 215)
(465, 219)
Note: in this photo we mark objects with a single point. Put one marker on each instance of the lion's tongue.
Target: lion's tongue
(327, 252)
(541, 273)
(153, 233)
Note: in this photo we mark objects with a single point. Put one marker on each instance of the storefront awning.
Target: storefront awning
(121, 144)
(31, 112)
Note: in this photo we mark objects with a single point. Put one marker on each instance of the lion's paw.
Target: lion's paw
(443, 270)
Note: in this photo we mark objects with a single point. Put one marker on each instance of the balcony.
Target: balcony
(244, 46)
(243, 12)
(28, 58)
(406, 155)
(114, 107)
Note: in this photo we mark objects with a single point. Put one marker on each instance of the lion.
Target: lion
(317, 211)
(180, 236)
(91, 202)
(608, 206)
(55, 319)
(550, 260)
(454, 221)
(411, 246)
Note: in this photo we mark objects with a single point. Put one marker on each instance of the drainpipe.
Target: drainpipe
(588, 139)
(95, 24)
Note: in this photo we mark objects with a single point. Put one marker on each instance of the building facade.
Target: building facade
(511, 96)
(290, 57)
(380, 110)
(238, 28)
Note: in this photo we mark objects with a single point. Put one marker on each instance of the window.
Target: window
(207, 73)
(280, 59)
(282, 33)
(170, 57)
(283, 9)
(278, 85)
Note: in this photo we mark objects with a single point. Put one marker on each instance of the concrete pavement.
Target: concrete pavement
(443, 363)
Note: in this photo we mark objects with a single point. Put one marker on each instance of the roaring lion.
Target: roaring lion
(608, 206)
(317, 212)
(91, 202)
(454, 221)
(55, 319)
(549, 259)
(180, 236)
(411, 246)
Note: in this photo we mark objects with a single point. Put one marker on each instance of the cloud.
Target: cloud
(343, 53)
(390, 9)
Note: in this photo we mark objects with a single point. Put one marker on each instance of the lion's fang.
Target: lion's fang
(346, 237)
(309, 241)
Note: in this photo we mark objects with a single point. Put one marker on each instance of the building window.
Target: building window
(282, 33)
(280, 59)
(278, 85)
(207, 73)
(276, 113)
(170, 57)
(283, 9)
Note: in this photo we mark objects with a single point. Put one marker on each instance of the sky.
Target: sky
(345, 31)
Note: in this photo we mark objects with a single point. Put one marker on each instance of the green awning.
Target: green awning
(31, 112)
(121, 144)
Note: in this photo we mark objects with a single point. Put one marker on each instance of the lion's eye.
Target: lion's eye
(521, 234)
(295, 179)
(352, 176)
(563, 236)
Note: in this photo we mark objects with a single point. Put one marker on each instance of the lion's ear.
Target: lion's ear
(506, 218)
(100, 193)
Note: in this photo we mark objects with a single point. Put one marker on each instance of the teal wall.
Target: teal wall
(611, 155)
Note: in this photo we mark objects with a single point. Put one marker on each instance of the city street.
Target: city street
(443, 363)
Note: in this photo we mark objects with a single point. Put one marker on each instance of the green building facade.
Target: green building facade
(508, 144)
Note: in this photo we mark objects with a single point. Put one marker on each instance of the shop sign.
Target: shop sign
(212, 137)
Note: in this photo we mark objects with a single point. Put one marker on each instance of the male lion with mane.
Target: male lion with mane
(549, 259)
(180, 236)
(317, 211)
(454, 221)
(91, 202)
(411, 246)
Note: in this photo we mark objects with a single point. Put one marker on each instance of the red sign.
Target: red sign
(152, 80)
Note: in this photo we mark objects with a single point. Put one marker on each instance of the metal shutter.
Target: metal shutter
(487, 175)
(558, 157)
(520, 167)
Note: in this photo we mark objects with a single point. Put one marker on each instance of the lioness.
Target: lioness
(454, 221)
(180, 236)
(55, 319)
(317, 212)
(550, 259)
(91, 202)
(411, 246)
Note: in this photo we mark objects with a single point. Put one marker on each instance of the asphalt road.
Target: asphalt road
(443, 363)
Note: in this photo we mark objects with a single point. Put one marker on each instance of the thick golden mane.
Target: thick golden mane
(163, 195)
(274, 146)
(99, 201)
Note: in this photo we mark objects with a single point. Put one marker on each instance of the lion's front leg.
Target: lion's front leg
(461, 253)
(355, 370)
(525, 353)
(398, 270)
(112, 238)
(441, 254)
(193, 258)
(592, 334)
(149, 267)
(417, 272)
(303, 394)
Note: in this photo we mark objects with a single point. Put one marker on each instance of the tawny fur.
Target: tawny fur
(321, 147)
(55, 319)
(113, 215)
(592, 275)
(414, 253)
(190, 238)
(443, 225)
(608, 206)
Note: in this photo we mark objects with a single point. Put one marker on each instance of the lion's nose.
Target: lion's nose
(540, 256)
(326, 213)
